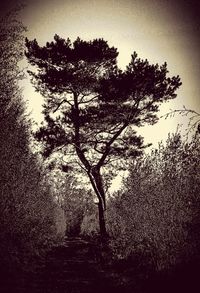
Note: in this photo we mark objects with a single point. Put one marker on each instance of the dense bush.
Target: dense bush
(157, 214)
(29, 217)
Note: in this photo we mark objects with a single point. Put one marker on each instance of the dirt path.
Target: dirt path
(73, 267)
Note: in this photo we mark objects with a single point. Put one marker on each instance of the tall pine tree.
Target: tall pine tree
(92, 107)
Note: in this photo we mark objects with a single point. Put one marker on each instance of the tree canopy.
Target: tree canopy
(91, 106)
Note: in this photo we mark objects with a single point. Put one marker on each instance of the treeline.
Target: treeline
(30, 220)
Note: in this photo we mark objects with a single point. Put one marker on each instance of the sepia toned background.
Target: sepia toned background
(159, 30)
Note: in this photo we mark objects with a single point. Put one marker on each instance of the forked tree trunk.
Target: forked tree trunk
(92, 171)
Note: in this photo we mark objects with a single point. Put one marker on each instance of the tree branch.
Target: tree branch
(88, 101)
(108, 145)
(63, 101)
(76, 123)
(183, 111)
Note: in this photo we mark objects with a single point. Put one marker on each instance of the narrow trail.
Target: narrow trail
(73, 267)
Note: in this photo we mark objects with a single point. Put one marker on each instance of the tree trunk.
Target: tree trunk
(97, 184)
(102, 222)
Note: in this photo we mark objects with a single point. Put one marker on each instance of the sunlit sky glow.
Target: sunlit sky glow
(159, 30)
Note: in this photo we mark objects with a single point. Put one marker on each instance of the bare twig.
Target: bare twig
(185, 112)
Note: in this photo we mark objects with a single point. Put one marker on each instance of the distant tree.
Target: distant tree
(91, 106)
(74, 199)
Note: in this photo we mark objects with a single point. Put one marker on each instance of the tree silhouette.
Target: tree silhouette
(91, 105)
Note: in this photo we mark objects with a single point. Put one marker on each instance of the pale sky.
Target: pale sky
(159, 30)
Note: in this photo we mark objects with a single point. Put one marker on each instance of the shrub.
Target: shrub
(157, 213)
(28, 213)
